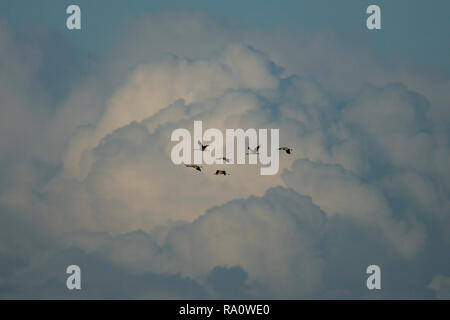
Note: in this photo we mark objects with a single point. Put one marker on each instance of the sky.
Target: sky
(86, 174)
(412, 27)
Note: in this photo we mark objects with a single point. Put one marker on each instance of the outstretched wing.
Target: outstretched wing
(199, 143)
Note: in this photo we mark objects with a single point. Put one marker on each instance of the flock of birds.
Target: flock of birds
(203, 147)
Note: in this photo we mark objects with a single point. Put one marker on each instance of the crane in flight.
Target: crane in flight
(203, 146)
(288, 150)
(196, 167)
(253, 151)
(221, 172)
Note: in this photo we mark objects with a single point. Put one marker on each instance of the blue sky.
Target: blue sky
(415, 28)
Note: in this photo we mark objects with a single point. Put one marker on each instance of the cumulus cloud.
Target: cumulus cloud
(338, 191)
(272, 238)
(368, 181)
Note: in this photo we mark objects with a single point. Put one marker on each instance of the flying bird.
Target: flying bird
(196, 167)
(288, 150)
(224, 159)
(203, 146)
(253, 151)
(221, 172)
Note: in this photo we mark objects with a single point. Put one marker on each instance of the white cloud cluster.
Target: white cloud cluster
(274, 238)
(373, 155)
(338, 191)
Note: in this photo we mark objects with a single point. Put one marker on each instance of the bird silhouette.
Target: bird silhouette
(253, 151)
(221, 172)
(203, 146)
(196, 167)
(288, 150)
